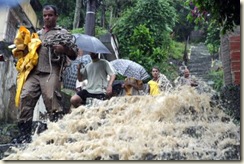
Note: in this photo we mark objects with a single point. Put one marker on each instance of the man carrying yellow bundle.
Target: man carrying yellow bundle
(44, 77)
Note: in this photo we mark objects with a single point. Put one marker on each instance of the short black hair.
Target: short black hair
(93, 53)
(55, 9)
(155, 67)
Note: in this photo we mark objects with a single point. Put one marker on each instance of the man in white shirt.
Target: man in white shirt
(98, 86)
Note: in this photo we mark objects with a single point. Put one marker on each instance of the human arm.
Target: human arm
(112, 75)
(193, 83)
(79, 75)
(137, 84)
(148, 89)
(70, 52)
(64, 44)
(109, 89)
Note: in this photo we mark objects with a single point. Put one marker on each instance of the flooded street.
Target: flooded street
(57, 53)
(180, 125)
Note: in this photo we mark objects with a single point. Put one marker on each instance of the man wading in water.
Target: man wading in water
(44, 79)
(98, 86)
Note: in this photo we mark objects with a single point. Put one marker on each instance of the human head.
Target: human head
(155, 72)
(93, 55)
(50, 16)
(186, 73)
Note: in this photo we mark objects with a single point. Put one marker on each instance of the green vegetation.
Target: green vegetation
(176, 50)
(155, 32)
(144, 33)
(224, 13)
(98, 31)
(213, 38)
(65, 10)
(218, 79)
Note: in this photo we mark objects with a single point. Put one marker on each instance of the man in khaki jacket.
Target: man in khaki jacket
(44, 79)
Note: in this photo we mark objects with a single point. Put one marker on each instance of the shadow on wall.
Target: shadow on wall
(8, 74)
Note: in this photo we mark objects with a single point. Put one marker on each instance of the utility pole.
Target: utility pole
(90, 17)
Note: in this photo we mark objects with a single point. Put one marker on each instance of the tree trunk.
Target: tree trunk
(111, 18)
(90, 17)
(103, 16)
(77, 14)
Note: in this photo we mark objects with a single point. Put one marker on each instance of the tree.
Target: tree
(213, 38)
(112, 11)
(144, 32)
(183, 27)
(77, 14)
(225, 12)
(157, 15)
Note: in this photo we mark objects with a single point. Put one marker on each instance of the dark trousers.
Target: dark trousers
(84, 94)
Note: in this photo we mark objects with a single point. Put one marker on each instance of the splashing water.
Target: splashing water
(178, 125)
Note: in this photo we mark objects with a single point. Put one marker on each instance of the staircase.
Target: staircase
(199, 62)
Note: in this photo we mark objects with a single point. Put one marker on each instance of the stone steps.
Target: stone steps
(199, 63)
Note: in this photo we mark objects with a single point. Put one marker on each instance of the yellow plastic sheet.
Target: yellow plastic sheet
(25, 51)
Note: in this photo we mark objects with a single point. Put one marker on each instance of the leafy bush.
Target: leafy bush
(176, 50)
(158, 16)
(218, 79)
(142, 48)
(78, 31)
(213, 38)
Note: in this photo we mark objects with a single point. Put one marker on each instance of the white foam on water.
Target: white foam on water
(179, 124)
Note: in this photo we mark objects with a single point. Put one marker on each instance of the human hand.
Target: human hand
(58, 48)
(79, 66)
(193, 83)
(109, 90)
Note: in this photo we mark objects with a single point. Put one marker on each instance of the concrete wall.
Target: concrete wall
(4, 11)
(12, 15)
(8, 74)
(8, 110)
(30, 13)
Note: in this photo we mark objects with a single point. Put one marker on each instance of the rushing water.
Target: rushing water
(180, 125)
